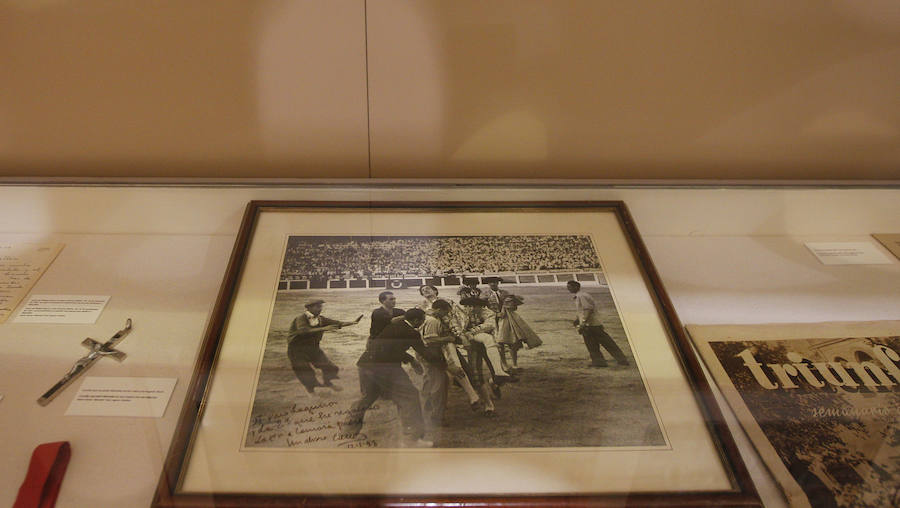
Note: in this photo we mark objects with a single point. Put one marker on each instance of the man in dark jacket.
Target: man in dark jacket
(494, 296)
(382, 316)
(381, 375)
(304, 352)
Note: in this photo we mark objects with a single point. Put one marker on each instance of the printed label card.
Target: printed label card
(847, 253)
(71, 309)
(122, 396)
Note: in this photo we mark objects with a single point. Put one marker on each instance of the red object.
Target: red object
(45, 474)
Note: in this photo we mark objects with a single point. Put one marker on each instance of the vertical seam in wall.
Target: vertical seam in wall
(368, 105)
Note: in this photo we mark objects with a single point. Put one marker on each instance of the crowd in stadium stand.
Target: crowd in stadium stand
(364, 257)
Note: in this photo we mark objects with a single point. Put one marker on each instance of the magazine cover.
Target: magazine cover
(820, 403)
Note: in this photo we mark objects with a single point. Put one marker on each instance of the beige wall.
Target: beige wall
(209, 88)
(397, 88)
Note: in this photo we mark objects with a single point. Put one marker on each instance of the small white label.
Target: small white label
(847, 253)
(71, 309)
(122, 396)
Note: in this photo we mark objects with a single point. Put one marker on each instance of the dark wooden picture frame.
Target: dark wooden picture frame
(741, 494)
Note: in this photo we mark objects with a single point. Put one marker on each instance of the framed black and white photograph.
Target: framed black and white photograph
(447, 351)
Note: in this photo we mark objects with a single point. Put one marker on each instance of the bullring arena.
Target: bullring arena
(560, 401)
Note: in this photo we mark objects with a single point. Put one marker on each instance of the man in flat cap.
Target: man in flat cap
(303, 346)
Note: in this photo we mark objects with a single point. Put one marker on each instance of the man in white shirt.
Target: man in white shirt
(590, 326)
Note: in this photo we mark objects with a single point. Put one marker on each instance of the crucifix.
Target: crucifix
(98, 351)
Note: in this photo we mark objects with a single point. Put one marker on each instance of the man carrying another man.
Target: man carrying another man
(381, 374)
(439, 338)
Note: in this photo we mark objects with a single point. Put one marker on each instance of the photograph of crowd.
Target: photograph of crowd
(486, 363)
(365, 256)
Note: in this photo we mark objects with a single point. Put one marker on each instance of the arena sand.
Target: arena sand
(559, 402)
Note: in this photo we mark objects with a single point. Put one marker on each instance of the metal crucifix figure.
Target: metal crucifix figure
(98, 351)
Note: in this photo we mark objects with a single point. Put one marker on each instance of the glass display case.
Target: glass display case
(559, 370)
